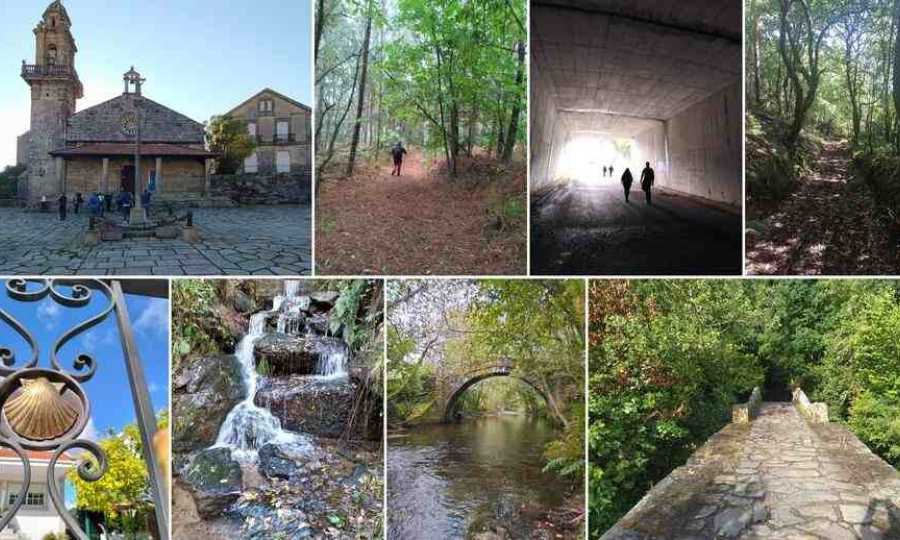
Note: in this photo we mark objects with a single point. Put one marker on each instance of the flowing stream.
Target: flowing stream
(451, 480)
(248, 427)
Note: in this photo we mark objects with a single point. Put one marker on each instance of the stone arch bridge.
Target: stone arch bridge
(787, 473)
(463, 381)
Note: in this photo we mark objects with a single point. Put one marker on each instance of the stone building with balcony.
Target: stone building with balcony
(95, 150)
(281, 128)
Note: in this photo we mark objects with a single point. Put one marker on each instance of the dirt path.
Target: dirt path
(417, 223)
(825, 227)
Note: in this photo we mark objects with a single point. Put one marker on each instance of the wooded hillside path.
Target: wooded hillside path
(778, 478)
(417, 223)
(825, 227)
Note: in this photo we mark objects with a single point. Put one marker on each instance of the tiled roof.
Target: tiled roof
(123, 149)
(103, 123)
(34, 454)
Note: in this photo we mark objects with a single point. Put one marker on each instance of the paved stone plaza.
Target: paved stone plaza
(235, 241)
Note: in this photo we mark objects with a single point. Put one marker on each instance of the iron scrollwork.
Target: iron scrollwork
(47, 409)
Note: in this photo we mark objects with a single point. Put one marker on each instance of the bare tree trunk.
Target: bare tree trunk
(320, 26)
(514, 118)
(362, 91)
(897, 72)
(329, 154)
(757, 95)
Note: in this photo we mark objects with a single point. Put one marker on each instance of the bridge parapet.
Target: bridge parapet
(817, 413)
(744, 413)
(777, 477)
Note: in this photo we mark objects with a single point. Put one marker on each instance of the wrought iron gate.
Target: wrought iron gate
(46, 408)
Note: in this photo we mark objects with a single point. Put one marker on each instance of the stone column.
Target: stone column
(206, 185)
(61, 174)
(159, 175)
(104, 178)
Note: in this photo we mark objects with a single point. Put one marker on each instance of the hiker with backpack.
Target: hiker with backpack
(397, 153)
(647, 181)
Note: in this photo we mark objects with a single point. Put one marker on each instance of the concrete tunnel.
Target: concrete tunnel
(620, 83)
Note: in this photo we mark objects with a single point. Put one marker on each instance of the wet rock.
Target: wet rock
(275, 462)
(214, 479)
(262, 522)
(308, 405)
(241, 302)
(319, 324)
(283, 354)
(322, 301)
(204, 390)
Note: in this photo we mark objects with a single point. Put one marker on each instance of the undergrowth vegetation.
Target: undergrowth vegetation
(669, 358)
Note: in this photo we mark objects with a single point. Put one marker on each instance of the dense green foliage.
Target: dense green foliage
(122, 494)
(9, 181)
(444, 75)
(440, 331)
(829, 67)
(229, 138)
(669, 358)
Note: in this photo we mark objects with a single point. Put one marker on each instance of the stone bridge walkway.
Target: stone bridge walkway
(777, 478)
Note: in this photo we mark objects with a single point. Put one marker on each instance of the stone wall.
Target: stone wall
(817, 413)
(293, 188)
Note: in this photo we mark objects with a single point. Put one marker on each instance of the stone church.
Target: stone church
(95, 149)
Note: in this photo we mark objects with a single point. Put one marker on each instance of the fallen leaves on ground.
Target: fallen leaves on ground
(422, 222)
(828, 226)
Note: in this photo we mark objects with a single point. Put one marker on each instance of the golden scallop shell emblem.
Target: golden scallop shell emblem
(38, 411)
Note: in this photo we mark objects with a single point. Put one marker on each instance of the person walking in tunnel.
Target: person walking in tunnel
(604, 171)
(647, 182)
(627, 180)
(611, 174)
(397, 153)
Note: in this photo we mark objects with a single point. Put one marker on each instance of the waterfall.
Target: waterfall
(248, 427)
(332, 362)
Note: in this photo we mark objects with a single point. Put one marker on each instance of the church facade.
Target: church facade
(95, 150)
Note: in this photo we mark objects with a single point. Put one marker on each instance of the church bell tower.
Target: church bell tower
(54, 88)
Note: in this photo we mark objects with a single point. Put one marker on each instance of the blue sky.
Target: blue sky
(108, 390)
(200, 57)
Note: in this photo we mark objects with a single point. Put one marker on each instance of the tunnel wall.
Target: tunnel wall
(705, 148)
(543, 128)
(651, 146)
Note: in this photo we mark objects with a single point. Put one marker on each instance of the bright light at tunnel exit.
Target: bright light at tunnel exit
(582, 159)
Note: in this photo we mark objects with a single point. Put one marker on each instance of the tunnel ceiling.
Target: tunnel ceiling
(642, 59)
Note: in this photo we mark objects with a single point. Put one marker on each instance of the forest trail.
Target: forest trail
(776, 478)
(824, 228)
(416, 223)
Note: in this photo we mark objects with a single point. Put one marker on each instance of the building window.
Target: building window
(282, 128)
(33, 499)
(251, 129)
(51, 55)
(251, 163)
(266, 105)
(283, 162)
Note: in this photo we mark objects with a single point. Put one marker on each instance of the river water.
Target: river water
(452, 480)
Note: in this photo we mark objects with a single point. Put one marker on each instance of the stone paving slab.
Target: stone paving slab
(778, 478)
(235, 241)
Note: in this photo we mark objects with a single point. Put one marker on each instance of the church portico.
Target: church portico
(107, 168)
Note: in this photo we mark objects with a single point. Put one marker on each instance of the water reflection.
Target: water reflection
(445, 481)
